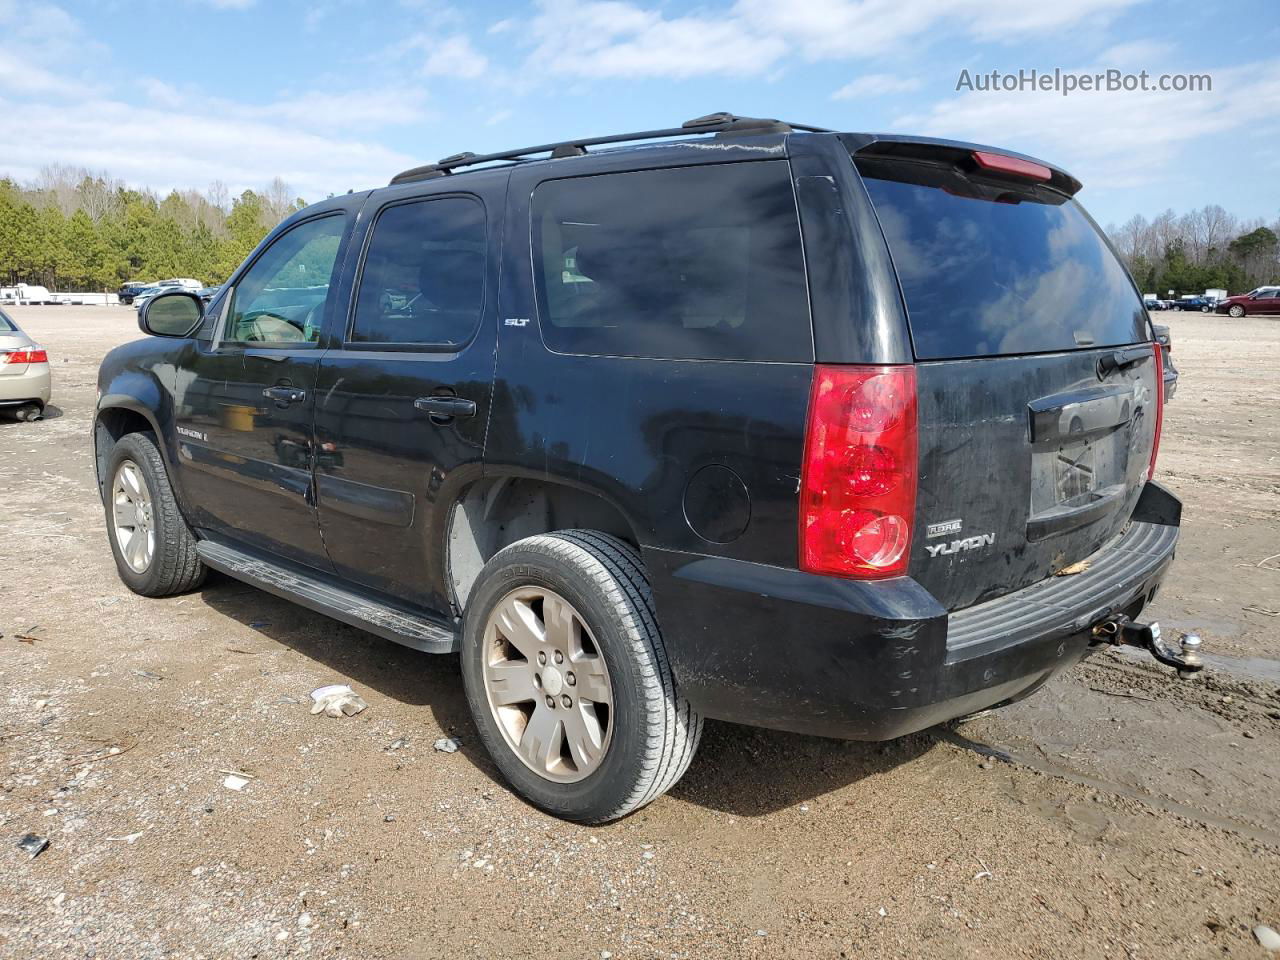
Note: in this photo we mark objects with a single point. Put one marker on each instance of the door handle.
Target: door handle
(283, 396)
(446, 406)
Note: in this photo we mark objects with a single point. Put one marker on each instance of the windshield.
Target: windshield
(989, 269)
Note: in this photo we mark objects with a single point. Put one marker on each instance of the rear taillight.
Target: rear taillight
(26, 356)
(1155, 443)
(858, 487)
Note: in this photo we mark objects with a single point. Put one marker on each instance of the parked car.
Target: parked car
(182, 283)
(130, 290)
(25, 383)
(654, 434)
(208, 293)
(146, 293)
(1263, 300)
(1194, 303)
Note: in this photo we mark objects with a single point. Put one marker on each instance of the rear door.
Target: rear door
(1036, 376)
(403, 398)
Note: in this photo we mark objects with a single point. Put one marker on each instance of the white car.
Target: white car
(25, 383)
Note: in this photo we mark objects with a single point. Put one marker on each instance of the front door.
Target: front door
(246, 397)
(403, 397)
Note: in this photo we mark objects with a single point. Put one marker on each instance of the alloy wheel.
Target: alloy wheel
(547, 684)
(132, 517)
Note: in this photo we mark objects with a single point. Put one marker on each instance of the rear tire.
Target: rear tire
(643, 740)
(155, 550)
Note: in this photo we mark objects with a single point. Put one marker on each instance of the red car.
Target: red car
(1264, 300)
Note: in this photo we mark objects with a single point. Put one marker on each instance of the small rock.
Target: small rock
(1248, 734)
(57, 901)
(606, 955)
(448, 744)
(648, 854)
(304, 920)
(389, 818)
(804, 808)
(1266, 936)
(282, 936)
(762, 933)
(399, 743)
(883, 912)
(984, 765)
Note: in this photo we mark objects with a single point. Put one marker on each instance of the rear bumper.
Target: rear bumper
(31, 386)
(789, 650)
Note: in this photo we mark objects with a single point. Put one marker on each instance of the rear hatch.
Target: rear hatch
(1036, 376)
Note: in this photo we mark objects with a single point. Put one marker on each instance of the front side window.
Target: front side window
(697, 262)
(423, 277)
(280, 300)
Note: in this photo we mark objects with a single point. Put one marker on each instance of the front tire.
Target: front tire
(568, 679)
(1236, 311)
(155, 550)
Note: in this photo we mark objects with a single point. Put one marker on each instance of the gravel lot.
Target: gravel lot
(1118, 813)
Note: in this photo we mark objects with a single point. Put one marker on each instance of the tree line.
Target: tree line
(72, 229)
(1202, 250)
(76, 230)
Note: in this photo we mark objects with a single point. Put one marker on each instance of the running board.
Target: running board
(314, 593)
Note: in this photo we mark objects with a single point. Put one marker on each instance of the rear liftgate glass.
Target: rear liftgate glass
(1037, 387)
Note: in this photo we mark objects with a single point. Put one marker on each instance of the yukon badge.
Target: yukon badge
(955, 546)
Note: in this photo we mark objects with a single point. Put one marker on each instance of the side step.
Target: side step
(314, 593)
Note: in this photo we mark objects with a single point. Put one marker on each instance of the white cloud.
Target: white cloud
(453, 56)
(1110, 140)
(1135, 55)
(609, 38)
(180, 137)
(615, 38)
(876, 85)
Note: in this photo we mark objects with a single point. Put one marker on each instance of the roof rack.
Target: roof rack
(718, 123)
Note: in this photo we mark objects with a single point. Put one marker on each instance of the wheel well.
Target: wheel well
(112, 425)
(493, 514)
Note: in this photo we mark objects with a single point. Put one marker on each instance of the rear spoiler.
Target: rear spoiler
(956, 152)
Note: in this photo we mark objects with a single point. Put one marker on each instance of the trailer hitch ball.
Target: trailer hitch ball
(1120, 630)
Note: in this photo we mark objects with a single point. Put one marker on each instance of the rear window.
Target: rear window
(7, 325)
(988, 269)
(687, 263)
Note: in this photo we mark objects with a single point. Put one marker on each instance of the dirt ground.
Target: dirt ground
(1120, 812)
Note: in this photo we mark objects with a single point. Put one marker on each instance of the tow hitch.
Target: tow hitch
(1121, 631)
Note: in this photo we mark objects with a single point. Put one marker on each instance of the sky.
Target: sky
(334, 95)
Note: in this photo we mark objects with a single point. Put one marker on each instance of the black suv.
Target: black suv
(844, 434)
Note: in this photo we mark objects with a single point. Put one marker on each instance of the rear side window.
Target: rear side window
(423, 277)
(989, 269)
(689, 263)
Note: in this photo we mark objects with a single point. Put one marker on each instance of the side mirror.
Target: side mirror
(175, 314)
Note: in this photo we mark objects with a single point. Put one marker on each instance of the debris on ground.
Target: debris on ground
(336, 700)
(448, 744)
(399, 743)
(33, 845)
(1267, 937)
(147, 675)
(235, 781)
(1072, 570)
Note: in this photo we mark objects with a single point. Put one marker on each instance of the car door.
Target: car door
(1268, 302)
(245, 396)
(403, 397)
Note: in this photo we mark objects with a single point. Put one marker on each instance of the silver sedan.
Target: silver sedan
(24, 372)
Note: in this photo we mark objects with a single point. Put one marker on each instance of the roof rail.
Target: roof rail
(717, 123)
